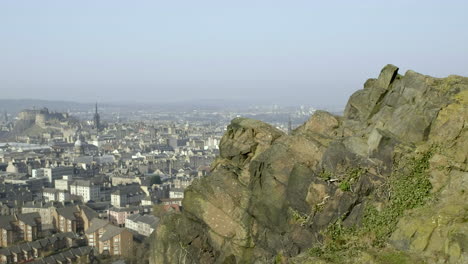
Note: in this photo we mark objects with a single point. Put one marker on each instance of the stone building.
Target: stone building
(109, 239)
(73, 218)
(87, 189)
(20, 227)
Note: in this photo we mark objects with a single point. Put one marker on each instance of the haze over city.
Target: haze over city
(283, 52)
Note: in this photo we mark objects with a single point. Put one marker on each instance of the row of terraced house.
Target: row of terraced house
(21, 241)
(44, 247)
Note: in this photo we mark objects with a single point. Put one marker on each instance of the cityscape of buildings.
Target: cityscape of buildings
(78, 186)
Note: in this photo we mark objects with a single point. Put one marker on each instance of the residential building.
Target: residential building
(51, 195)
(64, 183)
(52, 174)
(127, 195)
(29, 226)
(7, 230)
(29, 251)
(148, 200)
(142, 224)
(86, 189)
(45, 210)
(73, 218)
(42, 173)
(117, 215)
(109, 239)
(117, 180)
(20, 227)
(8, 208)
(182, 182)
(175, 193)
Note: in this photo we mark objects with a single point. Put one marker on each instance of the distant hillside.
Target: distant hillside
(16, 105)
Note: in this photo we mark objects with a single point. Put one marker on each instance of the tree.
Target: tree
(155, 180)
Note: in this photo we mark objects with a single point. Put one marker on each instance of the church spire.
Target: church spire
(97, 119)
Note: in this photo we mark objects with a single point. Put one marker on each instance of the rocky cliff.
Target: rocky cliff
(384, 183)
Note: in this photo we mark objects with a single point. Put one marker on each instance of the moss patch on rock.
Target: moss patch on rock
(408, 187)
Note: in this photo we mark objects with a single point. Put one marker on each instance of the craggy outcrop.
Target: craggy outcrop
(271, 196)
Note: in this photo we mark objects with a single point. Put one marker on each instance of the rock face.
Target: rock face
(270, 195)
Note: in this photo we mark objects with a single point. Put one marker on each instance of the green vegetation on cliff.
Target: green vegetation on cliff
(408, 187)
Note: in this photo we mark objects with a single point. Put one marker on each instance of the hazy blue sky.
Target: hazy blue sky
(295, 52)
